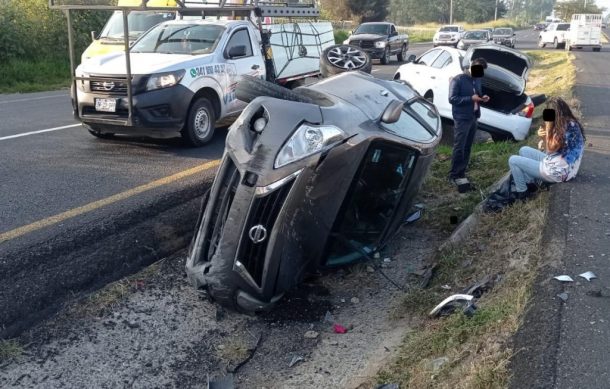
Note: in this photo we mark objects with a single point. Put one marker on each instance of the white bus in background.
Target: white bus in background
(585, 31)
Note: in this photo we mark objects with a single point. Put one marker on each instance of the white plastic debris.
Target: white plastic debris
(446, 287)
(455, 297)
(564, 278)
(588, 275)
(564, 296)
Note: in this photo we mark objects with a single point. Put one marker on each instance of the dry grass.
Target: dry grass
(425, 32)
(10, 349)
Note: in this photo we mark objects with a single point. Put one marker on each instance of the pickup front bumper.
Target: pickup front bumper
(158, 112)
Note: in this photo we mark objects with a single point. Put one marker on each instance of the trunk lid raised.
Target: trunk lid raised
(507, 68)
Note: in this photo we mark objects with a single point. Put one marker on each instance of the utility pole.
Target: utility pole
(496, 13)
(451, 12)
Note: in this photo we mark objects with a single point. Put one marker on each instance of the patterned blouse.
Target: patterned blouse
(563, 164)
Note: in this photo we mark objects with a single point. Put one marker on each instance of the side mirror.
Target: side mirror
(93, 35)
(411, 58)
(394, 33)
(392, 112)
(544, 30)
(237, 51)
(514, 34)
(351, 32)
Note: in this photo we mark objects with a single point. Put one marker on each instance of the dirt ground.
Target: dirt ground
(158, 332)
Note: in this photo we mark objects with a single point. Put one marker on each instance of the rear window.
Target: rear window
(563, 27)
(476, 35)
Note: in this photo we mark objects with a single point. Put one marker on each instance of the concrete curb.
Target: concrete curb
(465, 228)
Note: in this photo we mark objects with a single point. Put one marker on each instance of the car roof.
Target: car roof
(207, 21)
(376, 23)
(476, 30)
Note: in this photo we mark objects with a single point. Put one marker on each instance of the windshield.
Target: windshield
(503, 31)
(563, 27)
(191, 39)
(449, 29)
(379, 29)
(476, 35)
(137, 21)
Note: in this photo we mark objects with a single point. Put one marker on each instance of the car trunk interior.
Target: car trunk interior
(502, 100)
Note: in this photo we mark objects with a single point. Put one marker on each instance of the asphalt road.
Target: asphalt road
(77, 212)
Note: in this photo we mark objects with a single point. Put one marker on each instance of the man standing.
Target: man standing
(465, 97)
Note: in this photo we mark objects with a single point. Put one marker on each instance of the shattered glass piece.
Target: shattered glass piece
(415, 216)
(329, 317)
(296, 359)
(588, 275)
(564, 278)
(563, 296)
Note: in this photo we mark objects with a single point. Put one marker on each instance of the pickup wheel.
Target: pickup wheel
(541, 43)
(402, 56)
(386, 56)
(249, 88)
(555, 44)
(199, 128)
(344, 58)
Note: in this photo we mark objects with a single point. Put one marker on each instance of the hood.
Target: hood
(507, 65)
(447, 33)
(366, 37)
(141, 63)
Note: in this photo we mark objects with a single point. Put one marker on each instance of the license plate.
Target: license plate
(105, 105)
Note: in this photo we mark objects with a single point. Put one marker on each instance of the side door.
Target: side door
(395, 44)
(421, 68)
(242, 57)
(447, 65)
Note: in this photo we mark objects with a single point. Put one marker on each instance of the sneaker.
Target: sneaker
(463, 185)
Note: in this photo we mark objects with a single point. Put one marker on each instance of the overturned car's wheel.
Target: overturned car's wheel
(250, 88)
(201, 123)
(344, 58)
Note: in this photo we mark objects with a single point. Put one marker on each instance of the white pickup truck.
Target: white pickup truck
(585, 31)
(555, 34)
(184, 74)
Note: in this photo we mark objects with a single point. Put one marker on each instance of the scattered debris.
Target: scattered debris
(339, 329)
(370, 269)
(447, 306)
(413, 217)
(564, 278)
(355, 300)
(329, 318)
(377, 255)
(446, 287)
(225, 382)
(480, 287)
(426, 274)
(387, 386)
(420, 206)
(438, 363)
(311, 335)
(251, 351)
(387, 260)
(296, 359)
(332, 342)
(588, 275)
(563, 296)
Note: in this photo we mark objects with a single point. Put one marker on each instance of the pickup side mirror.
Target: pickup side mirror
(544, 30)
(93, 35)
(411, 58)
(514, 34)
(394, 33)
(236, 51)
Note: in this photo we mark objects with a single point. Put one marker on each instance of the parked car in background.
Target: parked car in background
(473, 37)
(448, 35)
(380, 41)
(507, 115)
(555, 34)
(490, 31)
(505, 36)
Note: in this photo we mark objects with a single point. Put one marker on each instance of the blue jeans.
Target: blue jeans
(525, 167)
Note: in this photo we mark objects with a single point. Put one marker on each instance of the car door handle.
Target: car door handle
(254, 67)
(432, 77)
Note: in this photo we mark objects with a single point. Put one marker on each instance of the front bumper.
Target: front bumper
(504, 42)
(159, 111)
(444, 42)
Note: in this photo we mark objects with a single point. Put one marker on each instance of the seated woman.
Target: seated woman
(564, 141)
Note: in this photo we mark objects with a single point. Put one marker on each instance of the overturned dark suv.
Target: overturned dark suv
(311, 179)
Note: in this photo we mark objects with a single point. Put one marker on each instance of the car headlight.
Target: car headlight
(164, 80)
(380, 44)
(308, 140)
(80, 84)
(461, 44)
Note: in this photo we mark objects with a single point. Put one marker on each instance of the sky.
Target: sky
(603, 3)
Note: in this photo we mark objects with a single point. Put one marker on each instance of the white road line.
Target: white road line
(39, 132)
(32, 98)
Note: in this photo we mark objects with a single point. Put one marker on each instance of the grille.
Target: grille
(264, 212)
(220, 210)
(109, 87)
(367, 44)
(355, 43)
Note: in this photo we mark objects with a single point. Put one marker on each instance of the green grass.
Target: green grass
(20, 76)
(9, 349)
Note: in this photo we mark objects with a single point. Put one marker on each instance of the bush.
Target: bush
(340, 36)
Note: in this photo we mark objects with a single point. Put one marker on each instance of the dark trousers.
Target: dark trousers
(463, 136)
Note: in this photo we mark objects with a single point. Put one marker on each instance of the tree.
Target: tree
(566, 9)
(335, 9)
(369, 10)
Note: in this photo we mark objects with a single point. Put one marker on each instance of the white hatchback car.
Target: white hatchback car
(507, 115)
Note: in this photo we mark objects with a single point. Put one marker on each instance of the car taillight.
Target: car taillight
(528, 111)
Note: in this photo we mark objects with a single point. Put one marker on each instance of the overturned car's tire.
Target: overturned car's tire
(344, 58)
(250, 88)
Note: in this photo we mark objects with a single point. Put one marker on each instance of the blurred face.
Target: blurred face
(477, 71)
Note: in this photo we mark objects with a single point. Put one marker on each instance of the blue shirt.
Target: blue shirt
(461, 89)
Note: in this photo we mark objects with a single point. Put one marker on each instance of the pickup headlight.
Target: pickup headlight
(164, 80)
(380, 44)
(308, 140)
(80, 84)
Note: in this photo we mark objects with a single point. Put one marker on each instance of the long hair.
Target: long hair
(563, 117)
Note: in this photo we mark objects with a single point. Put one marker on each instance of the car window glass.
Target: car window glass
(191, 39)
(563, 27)
(440, 60)
(409, 128)
(393, 29)
(428, 57)
(241, 38)
(426, 114)
(447, 62)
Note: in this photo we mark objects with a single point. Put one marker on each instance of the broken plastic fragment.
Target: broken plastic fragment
(563, 296)
(564, 278)
(588, 275)
(415, 216)
(450, 299)
(339, 329)
(296, 359)
(329, 317)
